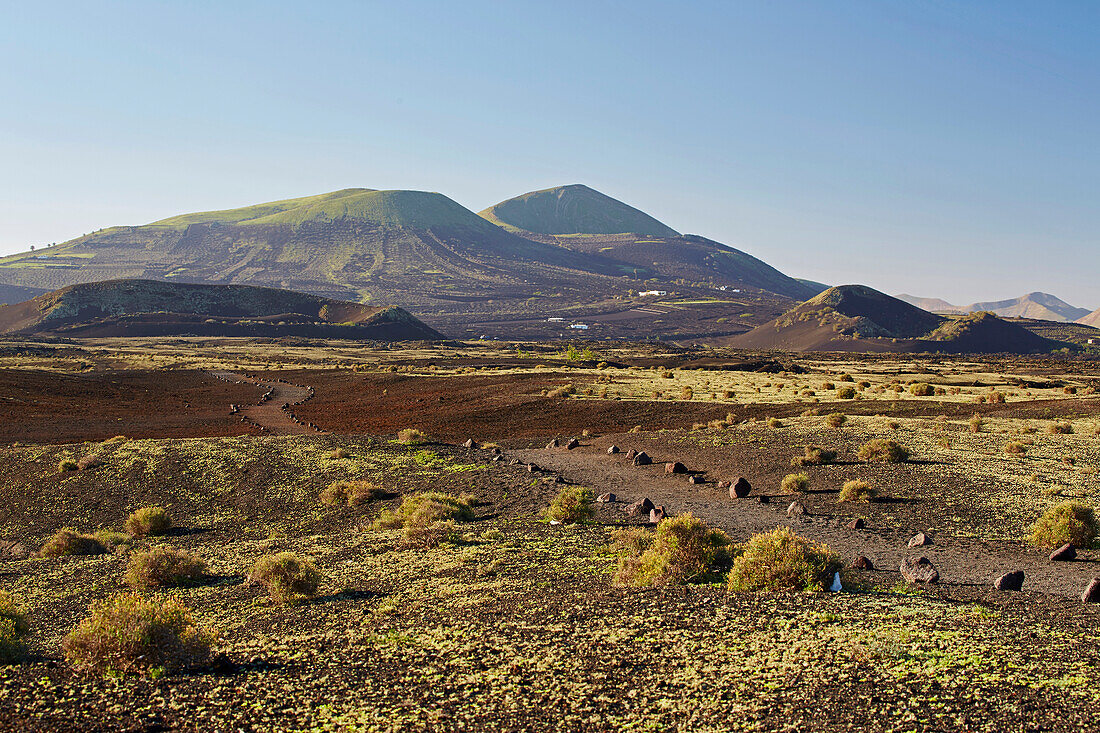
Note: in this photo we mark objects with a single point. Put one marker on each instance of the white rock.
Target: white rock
(837, 587)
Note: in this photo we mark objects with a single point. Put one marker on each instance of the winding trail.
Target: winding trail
(272, 412)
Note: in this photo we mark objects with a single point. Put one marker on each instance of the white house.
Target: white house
(646, 293)
(579, 326)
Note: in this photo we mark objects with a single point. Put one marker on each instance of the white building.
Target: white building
(579, 326)
(647, 293)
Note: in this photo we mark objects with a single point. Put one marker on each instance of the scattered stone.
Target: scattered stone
(514, 462)
(696, 479)
(469, 444)
(559, 480)
(1010, 581)
(555, 443)
(675, 467)
(919, 570)
(573, 443)
(642, 459)
(497, 451)
(1065, 553)
(857, 523)
(920, 539)
(498, 457)
(796, 509)
(606, 498)
(725, 485)
(862, 562)
(640, 508)
(740, 489)
(612, 450)
(656, 514)
(836, 587)
(532, 468)
(1092, 593)
(631, 454)
(763, 499)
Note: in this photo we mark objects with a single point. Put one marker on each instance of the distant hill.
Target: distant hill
(859, 318)
(1039, 306)
(1092, 319)
(17, 293)
(574, 209)
(156, 308)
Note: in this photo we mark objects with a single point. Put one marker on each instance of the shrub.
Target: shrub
(1070, 521)
(846, 378)
(795, 483)
(846, 393)
(1015, 447)
(835, 419)
(130, 634)
(13, 630)
(111, 539)
(427, 519)
(686, 392)
(148, 520)
(572, 505)
(337, 454)
(87, 462)
(411, 436)
(681, 550)
(997, 398)
(976, 423)
(856, 490)
(1060, 428)
(164, 567)
(813, 455)
(351, 493)
(921, 389)
(67, 464)
(781, 560)
(286, 576)
(68, 541)
(884, 450)
(775, 422)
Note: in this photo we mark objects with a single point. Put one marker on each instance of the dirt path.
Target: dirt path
(272, 413)
(960, 560)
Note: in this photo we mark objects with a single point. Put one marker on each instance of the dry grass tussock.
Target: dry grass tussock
(781, 560)
(681, 550)
(148, 520)
(14, 630)
(572, 505)
(427, 519)
(286, 576)
(1070, 521)
(351, 493)
(164, 567)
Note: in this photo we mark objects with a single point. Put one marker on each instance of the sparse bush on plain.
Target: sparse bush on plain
(883, 450)
(68, 541)
(813, 455)
(1060, 428)
(857, 490)
(795, 483)
(67, 464)
(286, 576)
(337, 454)
(411, 436)
(560, 391)
(112, 539)
(775, 422)
(426, 519)
(681, 550)
(921, 389)
(164, 567)
(997, 398)
(351, 493)
(130, 634)
(14, 629)
(977, 424)
(836, 419)
(572, 505)
(148, 521)
(781, 560)
(1015, 448)
(88, 462)
(1070, 521)
(846, 393)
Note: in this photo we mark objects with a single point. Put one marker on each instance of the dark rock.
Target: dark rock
(497, 451)
(740, 489)
(796, 509)
(498, 457)
(920, 539)
(469, 444)
(612, 450)
(555, 443)
(1065, 553)
(532, 468)
(631, 454)
(725, 485)
(656, 514)
(606, 498)
(1010, 581)
(640, 508)
(696, 479)
(559, 480)
(675, 467)
(763, 499)
(919, 570)
(862, 562)
(514, 462)
(857, 523)
(573, 443)
(642, 459)
(1092, 593)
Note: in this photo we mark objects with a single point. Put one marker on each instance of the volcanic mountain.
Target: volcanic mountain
(1039, 306)
(157, 308)
(859, 318)
(585, 221)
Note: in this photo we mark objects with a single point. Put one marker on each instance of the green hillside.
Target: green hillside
(575, 209)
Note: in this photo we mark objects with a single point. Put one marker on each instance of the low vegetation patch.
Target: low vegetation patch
(976, 423)
(921, 389)
(681, 550)
(148, 521)
(286, 576)
(411, 436)
(1070, 521)
(131, 634)
(781, 560)
(14, 629)
(426, 519)
(68, 541)
(351, 493)
(813, 455)
(1015, 448)
(67, 464)
(572, 505)
(836, 419)
(795, 483)
(1060, 428)
(883, 450)
(857, 490)
(164, 567)
(846, 393)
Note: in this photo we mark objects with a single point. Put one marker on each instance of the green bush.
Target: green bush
(130, 634)
(164, 567)
(411, 436)
(921, 389)
(795, 483)
(1070, 521)
(148, 520)
(856, 490)
(286, 576)
(427, 519)
(781, 560)
(13, 630)
(681, 550)
(835, 419)
(351, 493)
(883, 450)
(572, 505)
(846, 393)
(813, 455)
(67, 464)
(68, 541)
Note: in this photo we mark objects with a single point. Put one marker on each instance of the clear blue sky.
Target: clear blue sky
(946, 149)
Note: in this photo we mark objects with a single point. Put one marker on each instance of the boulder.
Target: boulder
(514, 462)
(696, 479)
(862, 562)
(612, 450)
(656, 514)
(856, 523)
(555, 443)
(469, 444)
(675, 467)
(920, 539)
(763, 499)
(642, 459)
(532, 468)
(1092, 593)
(796, 509)
(725, 485)
(1010, 581)
(573, 443)
(919, 570)
(606, 498)
(740, 488)
(640, 508)
(631, 454)
(1065, 553)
